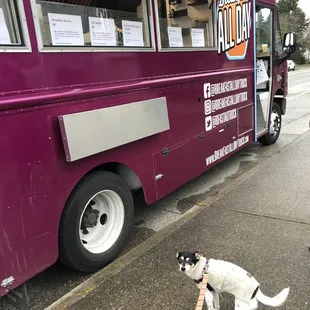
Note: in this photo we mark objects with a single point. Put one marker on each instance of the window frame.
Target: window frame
(91, 49)
(278, 32)
(185, 49)
(21, 21)
(271, 32)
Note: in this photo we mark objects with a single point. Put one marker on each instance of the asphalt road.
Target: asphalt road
(56, 281)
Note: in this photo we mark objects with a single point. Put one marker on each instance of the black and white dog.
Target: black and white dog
(226, 277)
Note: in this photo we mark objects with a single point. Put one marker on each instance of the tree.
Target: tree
(293, 19)
(307, 45)
(286, 6)
(263, 29)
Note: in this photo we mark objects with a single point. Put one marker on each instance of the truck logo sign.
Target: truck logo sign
(207, 90)
(208, 107)
(234, 27)
(208, 123)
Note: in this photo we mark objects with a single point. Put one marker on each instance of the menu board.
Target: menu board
(4, 32)
(198, 37)
(175, 36)
(132, 33)
(102, 31)
(66, 29)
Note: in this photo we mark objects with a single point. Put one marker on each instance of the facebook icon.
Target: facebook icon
(207, 90)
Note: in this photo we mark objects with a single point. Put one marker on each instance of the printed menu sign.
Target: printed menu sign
(198, 37)
(175, 36)
(261, 73)
(132, 33)
(102, 31)
(4, 32)
(66, 29)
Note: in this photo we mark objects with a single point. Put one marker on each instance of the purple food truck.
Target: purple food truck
(101, 98)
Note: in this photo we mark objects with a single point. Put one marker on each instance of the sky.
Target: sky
(305, 5)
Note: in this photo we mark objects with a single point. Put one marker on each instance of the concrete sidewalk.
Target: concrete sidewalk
(263, 225)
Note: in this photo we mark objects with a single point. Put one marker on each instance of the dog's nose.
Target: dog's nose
(183, 268)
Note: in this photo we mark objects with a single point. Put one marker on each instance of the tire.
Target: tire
(274, 132)
(96, 222)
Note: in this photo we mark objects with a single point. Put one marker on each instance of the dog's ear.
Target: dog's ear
(198, 255)
(178, 255)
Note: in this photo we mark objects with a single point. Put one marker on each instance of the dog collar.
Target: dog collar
(198, 281)
(204, 270)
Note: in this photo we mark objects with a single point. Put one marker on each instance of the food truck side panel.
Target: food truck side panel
(36, 178)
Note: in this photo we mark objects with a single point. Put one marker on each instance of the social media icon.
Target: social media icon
(207, 90)
(208, 123)
(208, 108)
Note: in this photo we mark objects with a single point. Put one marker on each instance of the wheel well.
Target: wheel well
(278, 98)
(127, 174)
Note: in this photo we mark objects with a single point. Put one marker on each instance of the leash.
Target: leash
(203, 288)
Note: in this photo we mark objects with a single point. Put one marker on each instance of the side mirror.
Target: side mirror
(289, 45)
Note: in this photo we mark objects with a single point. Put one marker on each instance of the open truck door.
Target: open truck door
(271, 73)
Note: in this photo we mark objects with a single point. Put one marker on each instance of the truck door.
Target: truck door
(264, 62)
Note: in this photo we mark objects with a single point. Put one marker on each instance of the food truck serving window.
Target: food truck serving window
(186, 23)
(9, 26)
(94, 23)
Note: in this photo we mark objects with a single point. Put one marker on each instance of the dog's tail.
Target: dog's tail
(274, 301)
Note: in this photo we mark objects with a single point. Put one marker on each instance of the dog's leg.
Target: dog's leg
(253, 304)
(209, 300)
(216, 300)
(240, 305)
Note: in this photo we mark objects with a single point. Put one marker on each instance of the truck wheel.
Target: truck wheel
(96, 222)
(274, 128)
